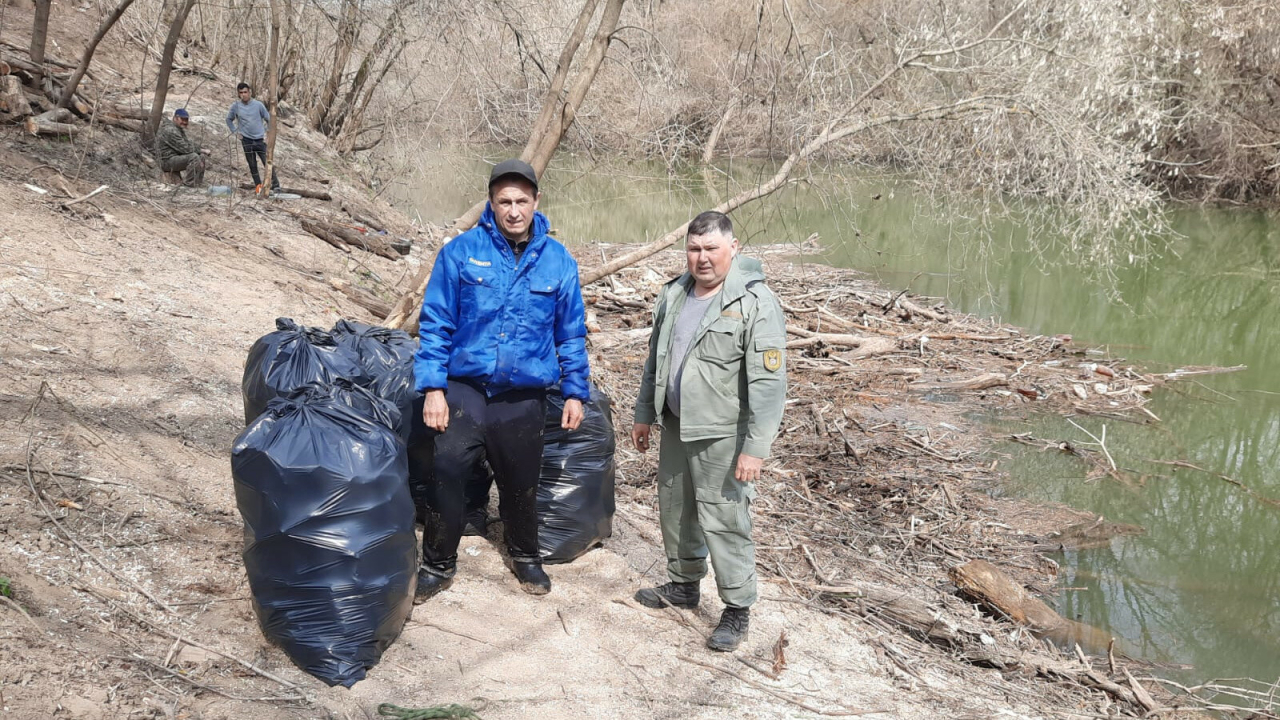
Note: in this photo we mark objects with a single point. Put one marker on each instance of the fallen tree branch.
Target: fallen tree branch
(84, 197)
(981, 382)
(300, 192)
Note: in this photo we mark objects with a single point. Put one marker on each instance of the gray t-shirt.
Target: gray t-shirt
(686, 327)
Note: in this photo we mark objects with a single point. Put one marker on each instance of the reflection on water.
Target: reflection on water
(1202, 586)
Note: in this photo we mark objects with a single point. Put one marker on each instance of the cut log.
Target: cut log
(12, 100)
(984, 583)
(981, 382)
(369, 243)
(323, 233)
(863, 346)
(300, 192)
(364, 218)
(54, 122)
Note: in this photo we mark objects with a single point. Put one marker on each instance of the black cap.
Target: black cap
(519, 168)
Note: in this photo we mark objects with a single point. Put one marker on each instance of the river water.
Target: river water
(1200, 588)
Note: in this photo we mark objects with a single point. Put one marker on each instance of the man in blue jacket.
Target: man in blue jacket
(502, 320)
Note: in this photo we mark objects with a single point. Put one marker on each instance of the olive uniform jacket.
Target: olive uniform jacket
(735, 378)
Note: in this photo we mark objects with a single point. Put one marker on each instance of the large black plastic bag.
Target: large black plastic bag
(292, 356)
(386, 357)
(575, 492)
(321, 482)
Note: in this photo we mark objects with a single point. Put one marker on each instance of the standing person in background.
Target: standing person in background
(716, 380)
(248, 120)
(177, 153)
(502, 320)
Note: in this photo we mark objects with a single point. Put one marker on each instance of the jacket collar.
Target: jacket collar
(537, 233)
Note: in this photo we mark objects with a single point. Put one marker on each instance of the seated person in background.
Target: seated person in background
(177, 153)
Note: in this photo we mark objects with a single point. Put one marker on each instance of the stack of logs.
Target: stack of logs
(345, 237)
(39, 112)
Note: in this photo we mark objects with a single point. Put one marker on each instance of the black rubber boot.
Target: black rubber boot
(429, 585)
(678, 594)
(533, 579)
(731, 631)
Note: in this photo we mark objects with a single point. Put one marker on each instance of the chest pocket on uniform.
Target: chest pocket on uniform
(722, 342)
(542, 298)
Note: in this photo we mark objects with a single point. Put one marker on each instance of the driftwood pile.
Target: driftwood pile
(872, 505)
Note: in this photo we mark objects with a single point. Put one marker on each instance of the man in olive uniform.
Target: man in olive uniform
(177, 153)
(716, 381)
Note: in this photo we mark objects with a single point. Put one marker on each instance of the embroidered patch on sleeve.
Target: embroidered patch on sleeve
(772, 360)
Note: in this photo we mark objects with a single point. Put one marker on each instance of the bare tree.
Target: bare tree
(557, 115)
(273, 91)
(348, 32)
(166, 67)
(39, 38)
(73, 83)
(558, 109)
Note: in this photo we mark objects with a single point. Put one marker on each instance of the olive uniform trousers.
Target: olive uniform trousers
(704, 511)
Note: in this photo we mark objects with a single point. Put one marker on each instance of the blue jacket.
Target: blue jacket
(506, 326)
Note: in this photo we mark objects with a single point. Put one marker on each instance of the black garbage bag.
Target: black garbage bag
(386, 357)
(321, 482)
(292, 356)
(575, 492)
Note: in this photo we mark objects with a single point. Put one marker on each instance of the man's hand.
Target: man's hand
(435, 411)
(571, 418)
(748, 469)
(204, 151)
(640, 436)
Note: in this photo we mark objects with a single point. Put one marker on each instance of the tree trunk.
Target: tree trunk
(351, 128)
(709, 151)
(985, 584)
(348, 33)
(69, 92)
(273, 94)
(166, 66)
(552, 99)
(546, 139)
(334, 124)
(549, 129)
(39, 38)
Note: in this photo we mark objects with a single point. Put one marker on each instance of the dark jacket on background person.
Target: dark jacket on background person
(172, 141)
(487, 314)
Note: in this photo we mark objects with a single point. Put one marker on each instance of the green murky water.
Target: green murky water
(1201, 587)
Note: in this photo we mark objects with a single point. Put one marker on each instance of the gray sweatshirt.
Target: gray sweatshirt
(250, 117)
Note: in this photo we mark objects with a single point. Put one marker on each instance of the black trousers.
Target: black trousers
(254, 149)
(507, 431)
